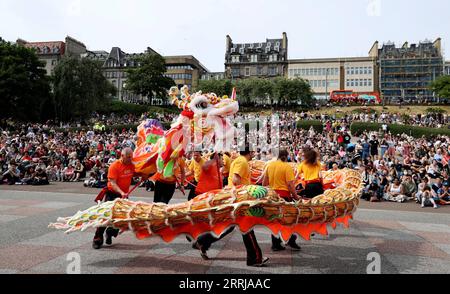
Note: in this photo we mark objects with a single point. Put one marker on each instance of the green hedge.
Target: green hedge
(417, 132)
(119, 128)
(306, 125)
(122, 108)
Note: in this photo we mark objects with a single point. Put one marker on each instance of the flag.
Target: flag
(233, 95)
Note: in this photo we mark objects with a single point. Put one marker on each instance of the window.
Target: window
(272, 71)
(254, 58)
(365, 82)
(235, 59)
(365, 70)
(370, 82)
(370, 70)
(235, 72)
(54, 62)
(259, 71)
(241, 50)
(348, 83)
(247, 71)
(291, 72)
(352, 83)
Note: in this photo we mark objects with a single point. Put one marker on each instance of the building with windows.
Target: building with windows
(267, 59)
(115, 64)
(213, 76)
(51, 52)
(407, 71)
(447, 68)
(185, 70)
(325, 75)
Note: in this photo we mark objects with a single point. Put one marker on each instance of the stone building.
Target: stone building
(267, 59)
(50, 52)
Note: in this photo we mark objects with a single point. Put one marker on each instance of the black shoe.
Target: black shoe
(189, 238)
(108, 239)
(278, 248)
(97, 243)
(294, 246)
(259, 264)
(203, 252)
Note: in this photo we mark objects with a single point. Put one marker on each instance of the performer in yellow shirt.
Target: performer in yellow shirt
(226, 167)
(280, 176)
(195, 168)
(239, 175)
(311, 170)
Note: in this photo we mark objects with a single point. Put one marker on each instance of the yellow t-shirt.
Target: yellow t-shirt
(226, 164)
(196, 167)
(240, 167)
(279, 173)
(310, 172)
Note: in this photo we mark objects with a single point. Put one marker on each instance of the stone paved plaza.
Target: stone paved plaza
(409, 240)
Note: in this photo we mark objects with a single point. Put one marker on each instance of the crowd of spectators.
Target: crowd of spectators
(395, 168)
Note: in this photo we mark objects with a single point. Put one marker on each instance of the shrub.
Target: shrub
(307, 124)
(436, 110)
(358, 127)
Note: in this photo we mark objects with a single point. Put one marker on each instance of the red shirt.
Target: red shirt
(122, 174)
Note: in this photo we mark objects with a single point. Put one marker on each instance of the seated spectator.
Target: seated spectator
(28, 177)
(79, 171)
(69, 173)
(91, 181)
(394, 192)
(12, 175)
(40, 177)
(427, 198)
(444, 194)
(409, 187)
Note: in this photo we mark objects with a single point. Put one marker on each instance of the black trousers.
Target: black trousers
(206, 240)
(254, 254)
(276, 242)
(163, 192)
(312, 190)
(192, 191)
(110, 196)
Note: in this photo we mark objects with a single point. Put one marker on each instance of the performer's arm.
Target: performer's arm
(236, 180)
(291, 186)
(116, 188)
(265, 181)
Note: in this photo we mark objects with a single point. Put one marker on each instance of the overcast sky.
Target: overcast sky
(315, 28)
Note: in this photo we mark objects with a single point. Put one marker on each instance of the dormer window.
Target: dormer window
(235, 59)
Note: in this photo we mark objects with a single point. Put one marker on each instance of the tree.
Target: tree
(148, 79)
(24, 86)
(442, 87)
(79, 88)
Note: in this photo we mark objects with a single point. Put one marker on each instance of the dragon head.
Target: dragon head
(210, 113)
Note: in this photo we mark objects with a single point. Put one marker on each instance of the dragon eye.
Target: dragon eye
(202, 105)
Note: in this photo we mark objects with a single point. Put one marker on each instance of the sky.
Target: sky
(315, 28)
